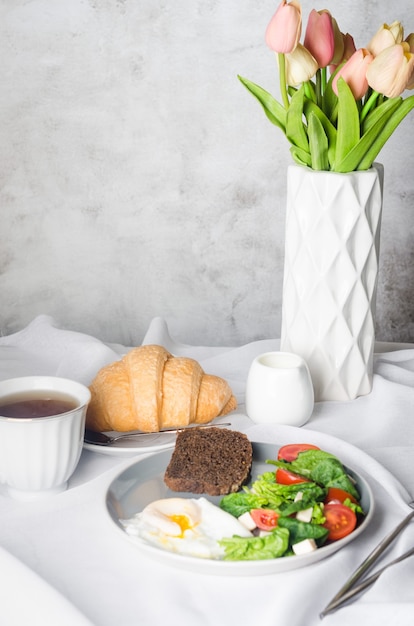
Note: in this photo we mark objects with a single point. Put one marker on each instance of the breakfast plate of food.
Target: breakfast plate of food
(220, 504)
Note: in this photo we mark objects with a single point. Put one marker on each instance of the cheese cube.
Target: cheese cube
(305, 515)
(247, 521)
(305, 546)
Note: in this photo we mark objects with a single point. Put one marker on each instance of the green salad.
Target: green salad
(306, 501)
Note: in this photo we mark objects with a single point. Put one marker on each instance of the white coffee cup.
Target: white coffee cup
(279, 390)
(38, 454)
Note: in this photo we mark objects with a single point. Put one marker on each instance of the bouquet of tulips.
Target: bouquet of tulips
(340, 104)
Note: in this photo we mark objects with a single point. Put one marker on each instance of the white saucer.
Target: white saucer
(158, 442)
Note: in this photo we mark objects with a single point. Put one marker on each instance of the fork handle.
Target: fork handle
(364, 585)
(369, 561)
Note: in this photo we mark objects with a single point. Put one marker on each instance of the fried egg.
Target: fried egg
(190, 527)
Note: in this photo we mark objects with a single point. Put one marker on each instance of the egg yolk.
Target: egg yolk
(183, 521)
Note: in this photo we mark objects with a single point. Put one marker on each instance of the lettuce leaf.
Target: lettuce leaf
(322, 468)
(271, 546)
(281, 498)
(238, 503)
(298, 531)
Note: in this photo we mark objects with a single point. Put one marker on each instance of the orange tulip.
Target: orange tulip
(319, 37)
(285, 27)
(354, 72)
(385, 37)
(300, 66)
(392, 71)
(410, 41)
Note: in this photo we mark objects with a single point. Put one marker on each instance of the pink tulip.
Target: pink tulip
(385, 37)
(339, 44)
(349, 47)
(285, 27)
(348, 50)
(300, 66)
(354, 73)
(319, 37)
(392, 71)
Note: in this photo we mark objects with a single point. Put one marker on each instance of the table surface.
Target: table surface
(70, 542)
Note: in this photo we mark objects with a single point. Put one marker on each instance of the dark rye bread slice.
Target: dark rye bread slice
(214, 461)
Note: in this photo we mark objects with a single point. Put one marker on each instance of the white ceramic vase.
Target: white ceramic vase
(333, 226)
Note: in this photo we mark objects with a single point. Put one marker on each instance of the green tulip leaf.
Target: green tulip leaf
(330, 99)
(274, 111)
(318, 143)
(295, 128)
(391, 124)
(302, 157)
(364, 152)
(380, 110)
(348, 122)
(310, 108)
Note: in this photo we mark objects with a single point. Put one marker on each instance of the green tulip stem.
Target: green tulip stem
(323, 80)
(318, 88)
(368, 105)
(308, 91)
(282, 78)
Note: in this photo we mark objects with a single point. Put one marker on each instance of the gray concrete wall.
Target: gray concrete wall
(138, 178)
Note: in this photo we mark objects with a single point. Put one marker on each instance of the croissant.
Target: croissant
(150, 389)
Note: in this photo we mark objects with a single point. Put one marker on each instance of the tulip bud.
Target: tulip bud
(385, 37)
(319, 37)
(285, 27)
(392, 71)
(300, 66)
(354, 73)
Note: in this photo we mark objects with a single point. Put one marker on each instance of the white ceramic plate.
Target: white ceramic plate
(143, 482)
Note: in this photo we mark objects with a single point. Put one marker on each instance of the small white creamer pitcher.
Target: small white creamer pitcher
(279, 390)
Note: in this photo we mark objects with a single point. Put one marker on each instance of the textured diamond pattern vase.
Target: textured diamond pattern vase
(333, 225)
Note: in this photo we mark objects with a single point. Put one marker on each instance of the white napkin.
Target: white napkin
(25, 598)
(129, 584)
(43, 349)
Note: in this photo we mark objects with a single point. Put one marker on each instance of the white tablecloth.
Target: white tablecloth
(70, 542)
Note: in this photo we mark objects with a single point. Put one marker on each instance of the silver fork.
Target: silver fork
(349, 589)
(101, 439)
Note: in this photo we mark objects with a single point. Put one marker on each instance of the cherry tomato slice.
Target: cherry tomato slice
(290, 451)
(286, 477)
(334, 493)
(265, 519)
(340, 521)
